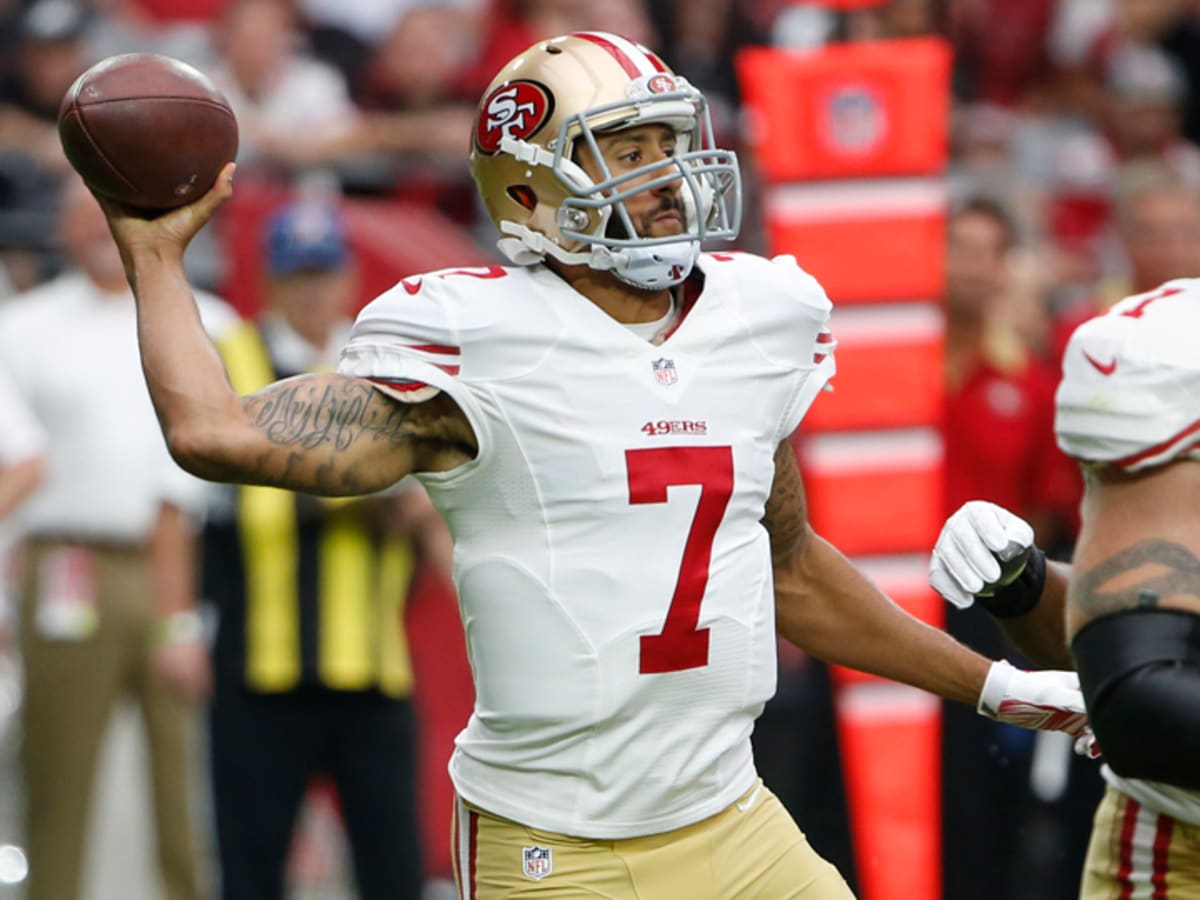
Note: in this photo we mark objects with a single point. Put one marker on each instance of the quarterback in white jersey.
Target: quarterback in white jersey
(609, 553)
(605, 426)
(1128, 408)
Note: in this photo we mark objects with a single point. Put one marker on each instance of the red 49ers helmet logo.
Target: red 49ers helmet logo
(516, 109)
(661, 84)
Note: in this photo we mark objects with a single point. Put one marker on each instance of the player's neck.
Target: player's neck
(624, 302)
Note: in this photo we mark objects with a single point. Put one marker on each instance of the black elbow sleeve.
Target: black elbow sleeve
(1140, 674)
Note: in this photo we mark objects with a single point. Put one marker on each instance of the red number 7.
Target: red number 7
(680, 644)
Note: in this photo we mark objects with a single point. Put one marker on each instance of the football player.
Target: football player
(1127, 613)
(604, 424)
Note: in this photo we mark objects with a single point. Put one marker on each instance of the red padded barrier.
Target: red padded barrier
(849, 110)
(875, 492)
(889, 370)
(873, 241)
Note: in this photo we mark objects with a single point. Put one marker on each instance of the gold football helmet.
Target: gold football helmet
(565, 90)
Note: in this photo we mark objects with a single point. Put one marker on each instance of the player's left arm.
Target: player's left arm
(825, 606)
(829, 609)
(1133, 614)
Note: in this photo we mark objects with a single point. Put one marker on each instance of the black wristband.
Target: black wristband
(1022, 594)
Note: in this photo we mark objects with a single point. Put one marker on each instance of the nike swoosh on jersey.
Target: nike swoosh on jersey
(1104, 368)
(411, 286)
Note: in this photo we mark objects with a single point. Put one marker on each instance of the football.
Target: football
(1010, 571)
(147, 131)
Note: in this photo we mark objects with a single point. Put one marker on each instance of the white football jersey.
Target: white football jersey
(614, 577)
(1130, 397)
(1130, 391)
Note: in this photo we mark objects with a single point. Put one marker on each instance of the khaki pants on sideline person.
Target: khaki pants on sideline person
(750, 851)
(75, 674)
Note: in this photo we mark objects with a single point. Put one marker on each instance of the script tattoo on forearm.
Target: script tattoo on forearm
(307, 415)
(1171, 570)
(315, 426)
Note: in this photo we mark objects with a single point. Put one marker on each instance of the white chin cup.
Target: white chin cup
(658, 266)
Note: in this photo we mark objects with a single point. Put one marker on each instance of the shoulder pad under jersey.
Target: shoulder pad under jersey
(407, 340)
(1130, 391)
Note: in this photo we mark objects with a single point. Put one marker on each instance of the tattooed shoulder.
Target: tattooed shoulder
(1150, 573)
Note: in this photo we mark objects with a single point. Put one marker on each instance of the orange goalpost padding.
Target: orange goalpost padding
(852, 142)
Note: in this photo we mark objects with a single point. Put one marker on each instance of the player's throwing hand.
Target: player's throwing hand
(169, 233)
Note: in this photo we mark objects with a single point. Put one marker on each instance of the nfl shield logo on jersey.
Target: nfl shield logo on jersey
(536, 862)
(664, 371)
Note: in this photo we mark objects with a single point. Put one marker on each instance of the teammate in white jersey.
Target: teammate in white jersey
(604, 424)
(1129, 609)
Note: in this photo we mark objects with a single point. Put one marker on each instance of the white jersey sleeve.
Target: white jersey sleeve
(1130, 391)
(403, 344)
(797, 337)
(407, 341)
(814, 374)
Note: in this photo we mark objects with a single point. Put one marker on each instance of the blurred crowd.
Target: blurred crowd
(1074, 181)
(1053, 102)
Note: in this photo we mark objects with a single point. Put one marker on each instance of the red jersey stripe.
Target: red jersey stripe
(1162, 846)
(692, 289)
(443, 349)
(1136, 311)
(1125, 849)
(1180, 438)
(400, 384)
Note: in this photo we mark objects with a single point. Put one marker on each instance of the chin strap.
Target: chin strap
(649, 268)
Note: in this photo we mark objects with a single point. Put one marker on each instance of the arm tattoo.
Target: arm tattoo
(297, 413)
(786, 513)
(319, 431)
(1171, 570)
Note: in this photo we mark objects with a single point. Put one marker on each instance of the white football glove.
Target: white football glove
(969, 553)
(1044, 701)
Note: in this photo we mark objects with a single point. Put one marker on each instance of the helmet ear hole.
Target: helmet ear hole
(522, 194)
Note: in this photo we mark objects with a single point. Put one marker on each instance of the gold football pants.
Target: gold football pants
(1137, 854)
(750, 851)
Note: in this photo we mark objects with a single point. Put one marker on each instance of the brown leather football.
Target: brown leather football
(147, 130)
